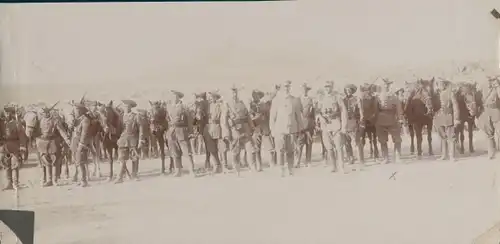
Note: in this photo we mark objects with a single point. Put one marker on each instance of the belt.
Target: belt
(215, 121)
(491, 106)
(48, 137)
(240, 121)
(179, 124)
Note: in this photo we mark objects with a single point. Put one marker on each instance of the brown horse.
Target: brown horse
(158, 127)
(110, 122)
(467, 104)
(369, 116)
(418, 110)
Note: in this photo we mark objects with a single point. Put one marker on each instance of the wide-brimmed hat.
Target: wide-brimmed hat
(215, 94)
(387, 80)
(177, 93)
(305, 86)
(329, 83)
(287, 83)
(129, 103)
(351, 87)
(8, 108)
(258, 93)
(200, 95)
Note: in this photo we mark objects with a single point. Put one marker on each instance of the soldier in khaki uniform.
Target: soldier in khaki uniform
(130, 141)
(81, 141)
(489, 112)
(353, 130)
(389, 121)
(180, 124)
(12, 146)
(260, 108)
(49, 146)
(332, 116)
(286, 124)
(217, 146)
(446, 118)
(309, 118)
(237, 128)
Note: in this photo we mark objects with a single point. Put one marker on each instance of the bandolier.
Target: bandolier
(489, 116)
(332, 115)
(12, 145)
(52, 132)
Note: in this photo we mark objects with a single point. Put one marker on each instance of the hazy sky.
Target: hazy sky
(199, 44)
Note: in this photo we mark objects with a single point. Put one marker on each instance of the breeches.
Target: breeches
(446, 132)
(488, 126)
(259, 139)
(126, 153)
(383, 133)
(81, 156)
(242, 142)
(332, 139)
(178, 148)
(353, 136)
(215, 146)
(286, 143)
(305, 137)
(10, 160)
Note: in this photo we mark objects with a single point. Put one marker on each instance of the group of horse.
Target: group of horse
(418, 99)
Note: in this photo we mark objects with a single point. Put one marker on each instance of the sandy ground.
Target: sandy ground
(428, 202)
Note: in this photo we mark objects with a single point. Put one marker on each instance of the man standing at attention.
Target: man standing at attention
(309, 119)
(286, 124)
(332, 116)
(446, 118)
(389, 121)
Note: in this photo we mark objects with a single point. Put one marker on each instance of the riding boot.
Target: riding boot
(83, 179)
(491, 148)
(163, 168)
(135, 169)
(43, 179)
(274, 159)
(258, 164)
(299, 157)
(385, 152)
(444, 149)
(8, 176)
(49, 178)
(57, 172)
(290, 163)
(331, 160)
(361, 156)
(178, 167)
(192, 168)
(171, 167)
(223, 162)
(236, 164)
(15, 178)
(397, 151)
(429, 141)
(452, 151)
(283, 164)
(121, 174)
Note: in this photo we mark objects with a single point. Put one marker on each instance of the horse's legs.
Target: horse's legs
(429, 137)
(374, 142)
(109, 151)
(470, 130)
(161, 144)
(411, 129)
(418, 128)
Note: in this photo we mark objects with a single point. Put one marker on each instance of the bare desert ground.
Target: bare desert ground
(427, 201)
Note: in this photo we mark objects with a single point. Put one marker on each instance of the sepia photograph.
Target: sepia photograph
(252, 122)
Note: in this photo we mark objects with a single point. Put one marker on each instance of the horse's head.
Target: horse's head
(107, 115)
(468, 91)
(31, 120)
(158, 111)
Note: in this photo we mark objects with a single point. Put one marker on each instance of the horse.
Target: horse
(419, 98)
(143, 116)
(110, 122)
(158, 127)
(369, 115)
(467, 103)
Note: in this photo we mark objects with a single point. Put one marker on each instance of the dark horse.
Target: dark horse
(158, 127)
(110, 122)
(467, 99)
(418, 109)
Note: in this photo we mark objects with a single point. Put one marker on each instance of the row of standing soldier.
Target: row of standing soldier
(285, 122)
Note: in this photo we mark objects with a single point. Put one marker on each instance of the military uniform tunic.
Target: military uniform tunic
(82, 139)
(259, 112)
(447, 112)
(52, 132)
(489, 118)
(12, 139)
(132, 132)
(238, 127)
(332, 116)
(389, 114)
(215, 141)
(180, 126)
